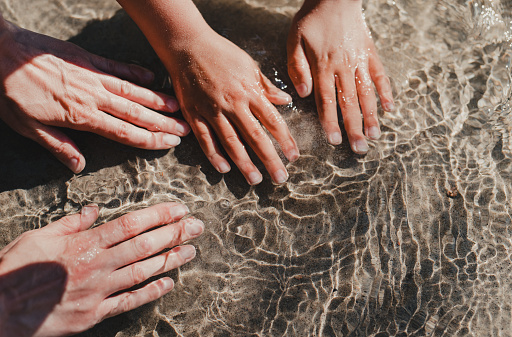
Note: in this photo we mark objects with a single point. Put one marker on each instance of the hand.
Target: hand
(221, 90)
(329, 45)
(48, 83)
(63, 279)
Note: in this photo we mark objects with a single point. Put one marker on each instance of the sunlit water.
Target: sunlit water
(413, 239)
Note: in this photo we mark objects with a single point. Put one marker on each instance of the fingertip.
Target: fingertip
(334, 138)
(167, 284)
(171, 140)
(172, 104)
(359, 146)
(303, 90)
(76, 164)
(292, 154)
(91, 210)
(388, 106)
(280, 176)
(254, 178)
(223, 167)
(373, 132)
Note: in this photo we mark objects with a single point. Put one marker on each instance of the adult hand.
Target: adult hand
(63, 279)
(48, 83)
(330, 46)
(222, 91)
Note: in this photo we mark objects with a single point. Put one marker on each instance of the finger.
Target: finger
(367, 102)
(274, 122)
(259, 141)
(75, 223)
(146, 97)
(276, 125)
(233, 146)
(298, 67)
(204, 135)
(349, 104)
(325, 96)
(130, 72)
(272, 93)
(152, 242)
(381, 80)
(116, 305)
(136, 114)
(126, 133)
(60, 145)
(134, 274)
(132, 224)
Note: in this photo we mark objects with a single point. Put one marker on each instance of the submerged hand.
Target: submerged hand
(330, 46)
(48, 83)
(63, 279)
(222, 91)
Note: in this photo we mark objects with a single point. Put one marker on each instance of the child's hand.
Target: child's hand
(222, 91)
(329, 45)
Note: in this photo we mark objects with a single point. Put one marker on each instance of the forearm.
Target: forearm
(169, 25)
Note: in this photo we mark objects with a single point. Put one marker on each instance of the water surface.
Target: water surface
(413, 239)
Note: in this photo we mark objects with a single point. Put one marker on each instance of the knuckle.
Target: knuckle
(349, 100)
(126, 88)
(137, 274)
(122, 132)
(127, 302)
(327, 100)
(258, 134)
(75, 115)
(134, 111)
(231, 140)
(128, 226)
(143, 245)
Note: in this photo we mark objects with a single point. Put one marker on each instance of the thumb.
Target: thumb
(60, 145)
(75, 223)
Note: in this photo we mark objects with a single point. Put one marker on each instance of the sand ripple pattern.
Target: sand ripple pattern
(413, 239)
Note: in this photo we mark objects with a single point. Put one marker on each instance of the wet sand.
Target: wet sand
(412, 239)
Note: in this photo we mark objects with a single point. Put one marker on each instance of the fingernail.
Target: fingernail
(224, 167)
(171, 140)
(194, 227)
(388, 106)
(285, 96)
(334, 138)
(179, 211)
(374, 132)
(293, 155)
(88, 209)
(360, 146)
(168, 283)
(302, 89)
(254, 178)
(187, 252)
(280, 176)
(182, 128)
(172, 104)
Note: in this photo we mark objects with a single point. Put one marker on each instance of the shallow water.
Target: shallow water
(350, 245)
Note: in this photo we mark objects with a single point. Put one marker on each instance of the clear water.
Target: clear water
(350, 246)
